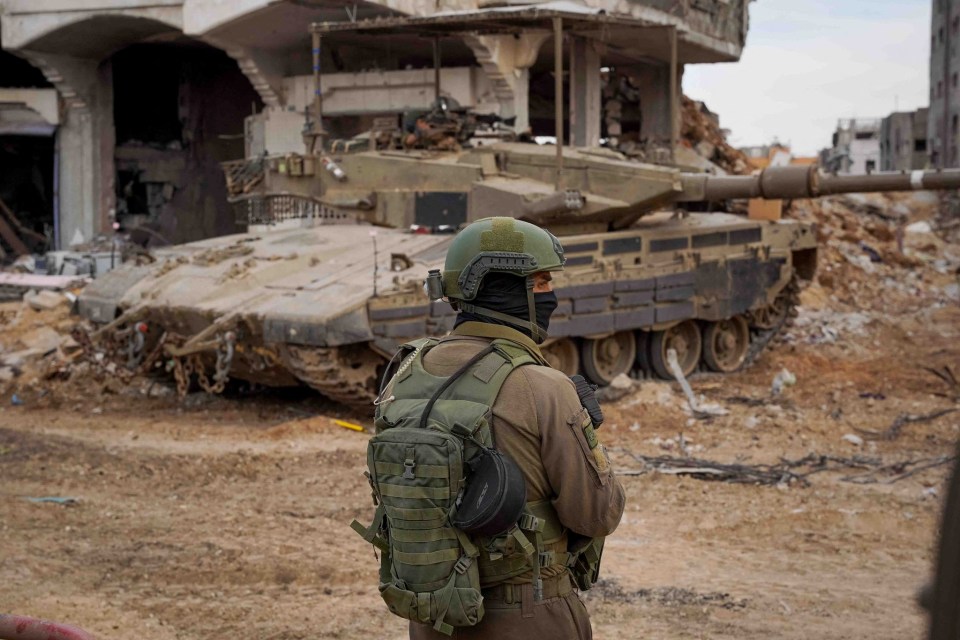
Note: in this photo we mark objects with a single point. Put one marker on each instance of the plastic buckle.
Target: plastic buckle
(408, 466)
(529, 522)
(462, 565)
(547, 558)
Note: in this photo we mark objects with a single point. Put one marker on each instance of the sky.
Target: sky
(808, 63)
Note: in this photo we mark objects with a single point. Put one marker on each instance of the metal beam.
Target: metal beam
(317, 96)
(674, 98)
(558, 95)
(436, 70)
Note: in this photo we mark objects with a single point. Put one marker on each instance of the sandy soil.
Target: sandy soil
(229, 517)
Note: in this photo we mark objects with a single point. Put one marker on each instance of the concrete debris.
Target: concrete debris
(827, 326)
(876, 248)
(619, 387)
(700, 130)
(159, 390)
(19, 358)
(853, 439)
(919, 227)
(783, 379)
(859, 260)
(679, 442)
(42, 340)
(44, 300)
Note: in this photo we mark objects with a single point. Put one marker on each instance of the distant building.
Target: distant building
(856, 147)
(903, 141)
(943, 123)
(774, 155)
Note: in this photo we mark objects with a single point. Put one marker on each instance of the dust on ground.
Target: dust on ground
(229, 516)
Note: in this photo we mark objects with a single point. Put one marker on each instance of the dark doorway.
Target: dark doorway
(26, 168)
(179, 110)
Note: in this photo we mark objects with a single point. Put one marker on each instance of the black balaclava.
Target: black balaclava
(507, 294)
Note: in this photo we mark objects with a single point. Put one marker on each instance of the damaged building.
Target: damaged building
(855, 147)
(119, 113)
(903, 141)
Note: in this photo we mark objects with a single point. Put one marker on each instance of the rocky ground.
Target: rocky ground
(129, 512)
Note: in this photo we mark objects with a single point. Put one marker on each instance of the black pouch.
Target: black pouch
(495, 495)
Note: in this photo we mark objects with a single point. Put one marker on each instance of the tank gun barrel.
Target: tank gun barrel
(775, 183)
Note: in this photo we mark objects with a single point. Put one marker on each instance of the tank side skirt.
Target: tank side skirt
(714, 291)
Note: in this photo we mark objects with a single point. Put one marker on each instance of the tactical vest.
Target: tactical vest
(428, 428)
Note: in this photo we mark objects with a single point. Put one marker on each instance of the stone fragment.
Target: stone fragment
(44, 300)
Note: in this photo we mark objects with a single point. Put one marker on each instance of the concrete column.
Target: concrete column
(77, 200)
(654, 84)
(519, 106)
(86, 141)
(584, 93)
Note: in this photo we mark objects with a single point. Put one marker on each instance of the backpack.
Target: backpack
(432, 433)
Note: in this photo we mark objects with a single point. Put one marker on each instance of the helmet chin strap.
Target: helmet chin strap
(538, 334)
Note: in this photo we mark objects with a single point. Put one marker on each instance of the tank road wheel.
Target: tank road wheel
(606, 358)
(563, 356)
(684, 338)
(773, 315)
(725, 344)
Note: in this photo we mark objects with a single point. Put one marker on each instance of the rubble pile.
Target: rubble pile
(877, 253)
(947, 221)
(41, 361)
(32, 333)
(700, 131)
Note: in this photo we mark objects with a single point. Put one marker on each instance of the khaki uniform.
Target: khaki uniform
(537, 421)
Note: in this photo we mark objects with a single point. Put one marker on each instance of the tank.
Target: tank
(328, 281)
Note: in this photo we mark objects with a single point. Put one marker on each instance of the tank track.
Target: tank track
(761, 338)
(346, 375)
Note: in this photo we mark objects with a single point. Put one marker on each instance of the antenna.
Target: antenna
(373, 236)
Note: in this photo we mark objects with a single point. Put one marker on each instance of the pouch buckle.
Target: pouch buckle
(462, 565)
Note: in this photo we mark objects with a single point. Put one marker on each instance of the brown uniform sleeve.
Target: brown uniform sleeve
(588, 497)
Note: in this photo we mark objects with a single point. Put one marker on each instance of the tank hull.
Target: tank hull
(327, 306)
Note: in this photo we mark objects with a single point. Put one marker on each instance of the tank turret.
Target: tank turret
(596, 190)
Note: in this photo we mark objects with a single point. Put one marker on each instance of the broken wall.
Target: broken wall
(179, 112)
(26, 159)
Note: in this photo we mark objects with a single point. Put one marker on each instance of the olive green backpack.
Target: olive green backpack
(427, 430)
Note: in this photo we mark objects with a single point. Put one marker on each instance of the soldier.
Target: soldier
(498, 276)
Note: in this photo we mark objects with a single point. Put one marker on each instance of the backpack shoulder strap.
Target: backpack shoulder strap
(404, 358)
(487, 376)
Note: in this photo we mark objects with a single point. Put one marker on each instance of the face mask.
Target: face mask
(508, 294)
(544, 306)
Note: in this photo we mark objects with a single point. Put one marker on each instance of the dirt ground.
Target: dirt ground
(215, 517)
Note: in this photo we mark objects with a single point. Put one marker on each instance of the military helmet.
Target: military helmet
(499, 245)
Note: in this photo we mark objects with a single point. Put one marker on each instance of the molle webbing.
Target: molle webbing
(552, 543)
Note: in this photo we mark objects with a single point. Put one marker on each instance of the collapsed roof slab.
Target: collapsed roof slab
(625, 38)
